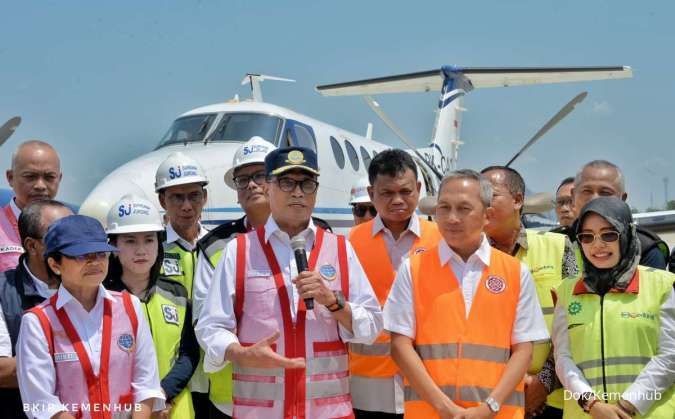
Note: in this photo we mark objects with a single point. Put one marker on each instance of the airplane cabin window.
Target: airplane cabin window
(240, 127)
(353, 157)
(366, 158)
(188, 129)
(338, 153)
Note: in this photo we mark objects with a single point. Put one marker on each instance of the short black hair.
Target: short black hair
(390, 163)
(514, 181)
(567, 180)
(30, 220)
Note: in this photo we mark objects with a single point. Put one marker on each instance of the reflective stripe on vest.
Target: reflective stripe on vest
(465, 355)
(262, 305)
(113, 379)
(165, 313)
(179, 265)
(612, 338)
(10, 242)
(374, 361)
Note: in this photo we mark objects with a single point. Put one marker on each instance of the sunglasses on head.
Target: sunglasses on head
(360, 210)
(589, 238)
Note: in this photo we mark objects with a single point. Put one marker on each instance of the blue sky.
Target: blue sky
(103, 81)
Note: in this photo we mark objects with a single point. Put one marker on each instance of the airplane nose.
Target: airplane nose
(105, 195)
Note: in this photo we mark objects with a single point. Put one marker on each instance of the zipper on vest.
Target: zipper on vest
(602, 343)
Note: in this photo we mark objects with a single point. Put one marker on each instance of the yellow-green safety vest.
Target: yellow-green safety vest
(179, 265)
(165, 312)
(544, 258)
(612, 338)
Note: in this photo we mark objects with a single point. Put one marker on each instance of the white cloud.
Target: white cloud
(602, 108)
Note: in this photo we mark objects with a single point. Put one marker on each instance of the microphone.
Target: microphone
(298, 246)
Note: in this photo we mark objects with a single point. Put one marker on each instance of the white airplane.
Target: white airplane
(211, 135)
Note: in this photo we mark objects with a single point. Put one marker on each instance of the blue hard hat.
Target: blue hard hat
(76, 235)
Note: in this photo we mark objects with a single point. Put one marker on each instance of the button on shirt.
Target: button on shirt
(398, 249)
(35, 367)
(399, 311)
(217, 321)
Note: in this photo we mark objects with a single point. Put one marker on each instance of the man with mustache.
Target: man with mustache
(35, 174)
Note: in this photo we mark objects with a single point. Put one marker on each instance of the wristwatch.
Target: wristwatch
(492, 404)
(339, 303)
(586, 401)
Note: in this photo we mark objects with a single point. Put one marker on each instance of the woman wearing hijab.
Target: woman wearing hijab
(614, 329)
(135, 228)
(86, 352)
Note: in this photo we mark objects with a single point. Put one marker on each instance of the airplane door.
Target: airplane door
(298, 134)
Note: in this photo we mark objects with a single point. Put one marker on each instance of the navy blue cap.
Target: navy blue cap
(291, 158)
(76, 235)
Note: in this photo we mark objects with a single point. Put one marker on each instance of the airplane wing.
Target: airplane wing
(480, 77)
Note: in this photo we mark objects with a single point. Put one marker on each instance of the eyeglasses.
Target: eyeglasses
(607, 237)
(307, 186)
(178, 198)
(89, 256)
(563, 201)
(242, 182)
(360, 210)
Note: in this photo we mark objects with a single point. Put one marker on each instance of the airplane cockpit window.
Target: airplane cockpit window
(298, 134)
(240, 127)
(188, 129)
(353, 157)
(337, 152)
(366, 158)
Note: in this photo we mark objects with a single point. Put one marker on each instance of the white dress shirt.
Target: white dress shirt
(35, 367)
(399, 310)
(172, 236)
(656, 377)
(217, 322)
(398, 249)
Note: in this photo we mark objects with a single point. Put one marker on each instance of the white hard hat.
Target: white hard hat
(133, 214)
(251, 152)
(359, 192)
(178, 169)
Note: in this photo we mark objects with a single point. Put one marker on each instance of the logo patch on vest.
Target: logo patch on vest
(574, 308)
(11, 249)
(495, 284)
(419, 250)
(170, 314)
(172, 267)
(65, 357)
(126, 342)
(328, 272)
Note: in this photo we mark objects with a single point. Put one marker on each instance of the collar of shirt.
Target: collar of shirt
(413, 226)
(172, 236)
(482, 254)
(272, 229)
(15, 208)
(521, 240)
(64, 297)
(40, 286)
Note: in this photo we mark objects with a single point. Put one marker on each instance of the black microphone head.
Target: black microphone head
(298, 243)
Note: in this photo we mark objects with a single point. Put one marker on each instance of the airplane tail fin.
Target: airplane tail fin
(454, 83)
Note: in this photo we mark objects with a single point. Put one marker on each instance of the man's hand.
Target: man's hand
(602, 410)
(163, 414)
(450, 410)
(261, 355)
(478, 412)
(535, 395)
(312, 285)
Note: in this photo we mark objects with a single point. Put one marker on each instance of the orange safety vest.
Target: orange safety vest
(466, 357)
(375, 360)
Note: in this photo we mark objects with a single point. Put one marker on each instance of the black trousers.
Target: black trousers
(215, 413)
(364, 414)
(201, 403)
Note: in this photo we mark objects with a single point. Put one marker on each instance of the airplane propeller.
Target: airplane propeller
(8, 129)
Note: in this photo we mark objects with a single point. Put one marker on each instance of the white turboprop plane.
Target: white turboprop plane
(211, 135)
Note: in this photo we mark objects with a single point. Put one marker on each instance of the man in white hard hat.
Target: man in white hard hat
(247, 177)
(362, 209)
(180, 183)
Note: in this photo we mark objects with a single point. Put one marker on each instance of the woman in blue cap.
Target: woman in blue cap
(86, 352)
